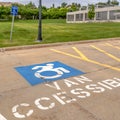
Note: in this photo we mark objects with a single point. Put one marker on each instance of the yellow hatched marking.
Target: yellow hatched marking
(113, 46)
(106, 53)
(80, 54)
(95, 62)
(67, 54)
(84, 58)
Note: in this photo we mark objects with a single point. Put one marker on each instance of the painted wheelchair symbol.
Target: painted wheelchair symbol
(57, 72)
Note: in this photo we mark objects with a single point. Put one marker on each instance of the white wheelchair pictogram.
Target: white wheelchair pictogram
(49, 68)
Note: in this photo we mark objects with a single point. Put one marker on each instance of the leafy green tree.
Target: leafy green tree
(53, 5)
(108, 2)
(30, 5)
(83, 7)
(53, 13)
(91, 12)
(30, 11)
(101, 4)
(114, 2)
(4, 12)
(44, 12)
(75, 7)
(64, 4)
(63, 12)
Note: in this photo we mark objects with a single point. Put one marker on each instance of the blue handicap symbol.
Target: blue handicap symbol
(47, 72)
(14, 10)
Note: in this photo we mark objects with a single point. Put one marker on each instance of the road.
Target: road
(89, 89)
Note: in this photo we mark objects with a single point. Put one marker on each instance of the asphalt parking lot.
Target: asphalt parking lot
(84, 82)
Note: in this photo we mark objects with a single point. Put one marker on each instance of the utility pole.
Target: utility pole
(39, 39)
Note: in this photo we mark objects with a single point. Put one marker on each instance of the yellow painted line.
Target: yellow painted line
(106, 53)
(113, 46)
(80, 54)
(67, 54)
(95, 62)
(105, 65)
(84, 58)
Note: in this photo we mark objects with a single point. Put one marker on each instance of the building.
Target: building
(5, 4)
(101, 15)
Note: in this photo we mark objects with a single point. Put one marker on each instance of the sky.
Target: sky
(49, 3)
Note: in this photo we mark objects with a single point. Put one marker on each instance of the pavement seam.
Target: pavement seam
(88, 112)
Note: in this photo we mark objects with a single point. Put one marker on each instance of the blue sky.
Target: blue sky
(49, 3)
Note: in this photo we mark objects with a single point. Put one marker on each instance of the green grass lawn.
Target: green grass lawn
(25, 32)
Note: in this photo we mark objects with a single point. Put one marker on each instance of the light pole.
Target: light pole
(40, 22)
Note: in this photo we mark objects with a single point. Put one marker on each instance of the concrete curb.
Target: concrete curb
(54, 44)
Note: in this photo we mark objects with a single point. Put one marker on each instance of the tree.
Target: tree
(53, 5)
(4, 12)
(63, 5)
(101, 4)
(30, 5)
(83, 7)
(62, 13)
(44, 12)
(91, 12)
(30, 11)
(108, 2)
(53, 13)
(75, 6)
(114, 2)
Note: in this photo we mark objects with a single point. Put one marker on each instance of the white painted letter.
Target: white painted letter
(95, 88)
(18, 115)
(2, 117)
(70, 83)
(37, 102)
(112, 83)
(104, 85)
(60, 99)
(116, 79)
(82, 79)
(55, 86)
(80, 92)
